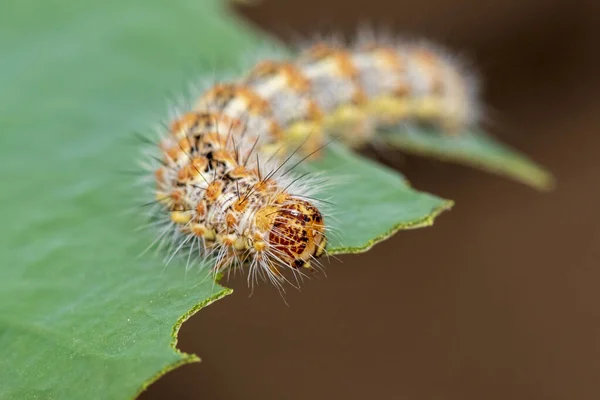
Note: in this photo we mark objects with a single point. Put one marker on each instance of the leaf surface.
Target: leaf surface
(473, 148)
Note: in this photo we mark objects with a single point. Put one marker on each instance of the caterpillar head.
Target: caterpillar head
(295, 232)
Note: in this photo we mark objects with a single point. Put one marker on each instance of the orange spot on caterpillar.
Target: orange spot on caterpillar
(201, 209)
(292, 75)
(213, 191)
(193, 170)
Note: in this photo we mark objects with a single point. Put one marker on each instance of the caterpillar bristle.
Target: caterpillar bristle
(226, 182)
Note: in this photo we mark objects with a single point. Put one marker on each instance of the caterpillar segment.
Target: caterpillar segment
(220, 197)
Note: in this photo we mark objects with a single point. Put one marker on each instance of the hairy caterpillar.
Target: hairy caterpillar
(225, 184)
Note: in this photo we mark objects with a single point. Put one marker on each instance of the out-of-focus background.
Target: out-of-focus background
(499, 299)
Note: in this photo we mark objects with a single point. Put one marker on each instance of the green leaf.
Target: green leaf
(474, 148)
(82, 314)
(372, 202)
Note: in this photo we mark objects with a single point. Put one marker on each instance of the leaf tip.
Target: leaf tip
(423, 222)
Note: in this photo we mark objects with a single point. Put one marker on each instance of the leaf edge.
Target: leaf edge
(426, 221)
(185, 358)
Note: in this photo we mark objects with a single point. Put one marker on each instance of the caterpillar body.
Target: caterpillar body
(225, 183)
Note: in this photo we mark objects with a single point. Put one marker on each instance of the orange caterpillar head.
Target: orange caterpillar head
(296, 232)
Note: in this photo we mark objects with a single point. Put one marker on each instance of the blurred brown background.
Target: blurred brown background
(500, 299)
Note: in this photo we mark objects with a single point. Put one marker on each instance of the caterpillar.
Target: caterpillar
(225, 183)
